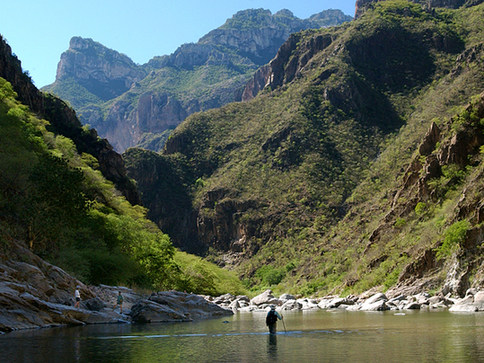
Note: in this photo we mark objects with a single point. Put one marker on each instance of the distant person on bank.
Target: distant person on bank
(119, 302)
(77, 296)
(271, 320)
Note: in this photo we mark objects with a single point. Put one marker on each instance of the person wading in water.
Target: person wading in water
(271, 320)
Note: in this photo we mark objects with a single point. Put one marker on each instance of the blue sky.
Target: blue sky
(39, 30)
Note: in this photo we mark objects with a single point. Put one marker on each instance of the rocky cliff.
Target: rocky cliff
(103, 72)
(152, 99)
(285, 66)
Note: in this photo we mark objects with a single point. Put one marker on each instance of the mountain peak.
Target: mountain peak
(79, 43)
(102, 71)
(284, 12)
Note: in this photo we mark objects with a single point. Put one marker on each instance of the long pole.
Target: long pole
(284, 324)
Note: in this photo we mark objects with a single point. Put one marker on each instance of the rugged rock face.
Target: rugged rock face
(102, 71)
(63, 121)
(156, 97)
(262, 40)
(34, 293)
(438, 153)
(257, 83)
(286, 66)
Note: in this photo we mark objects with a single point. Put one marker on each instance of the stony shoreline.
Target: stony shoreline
(36, 294)
(472, 302)
(27, 311)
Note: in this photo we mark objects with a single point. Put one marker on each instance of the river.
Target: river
(318, 336)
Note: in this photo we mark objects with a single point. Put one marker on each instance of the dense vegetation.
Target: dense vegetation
(57, 202)
(307, 187)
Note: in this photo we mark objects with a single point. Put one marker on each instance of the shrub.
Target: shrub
(454, 235)
(420, 209)
(270, 275)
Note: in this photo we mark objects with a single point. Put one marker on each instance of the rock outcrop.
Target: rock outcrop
(437, 152)
(103, 72)
(472, 302)
(173, 306)
(36, 294)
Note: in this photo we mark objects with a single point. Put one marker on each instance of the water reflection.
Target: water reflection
(272, 346)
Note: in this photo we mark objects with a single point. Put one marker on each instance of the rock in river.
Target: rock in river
(169, 306)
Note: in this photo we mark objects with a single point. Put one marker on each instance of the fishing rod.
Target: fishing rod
(283, 324)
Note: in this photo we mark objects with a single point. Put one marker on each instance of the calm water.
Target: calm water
(319, 336)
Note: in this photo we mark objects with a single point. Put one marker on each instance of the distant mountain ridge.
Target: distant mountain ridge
(132, 104)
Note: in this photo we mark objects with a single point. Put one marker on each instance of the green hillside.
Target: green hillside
(55, 201)
(307, 188)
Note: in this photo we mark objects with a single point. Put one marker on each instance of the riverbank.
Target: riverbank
(36, 294)
(368, 301)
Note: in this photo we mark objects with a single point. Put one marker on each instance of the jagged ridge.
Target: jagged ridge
(152, 99)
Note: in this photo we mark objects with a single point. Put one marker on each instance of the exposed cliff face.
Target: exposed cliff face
(260, 41)
(156, 97)
(102, 71)
(63, 121)
(287, 64)
(165, 195)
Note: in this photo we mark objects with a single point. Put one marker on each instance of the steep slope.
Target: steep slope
(291, 186)
(140, 105)
(63, 121)
(362, 5)
(56, 205)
